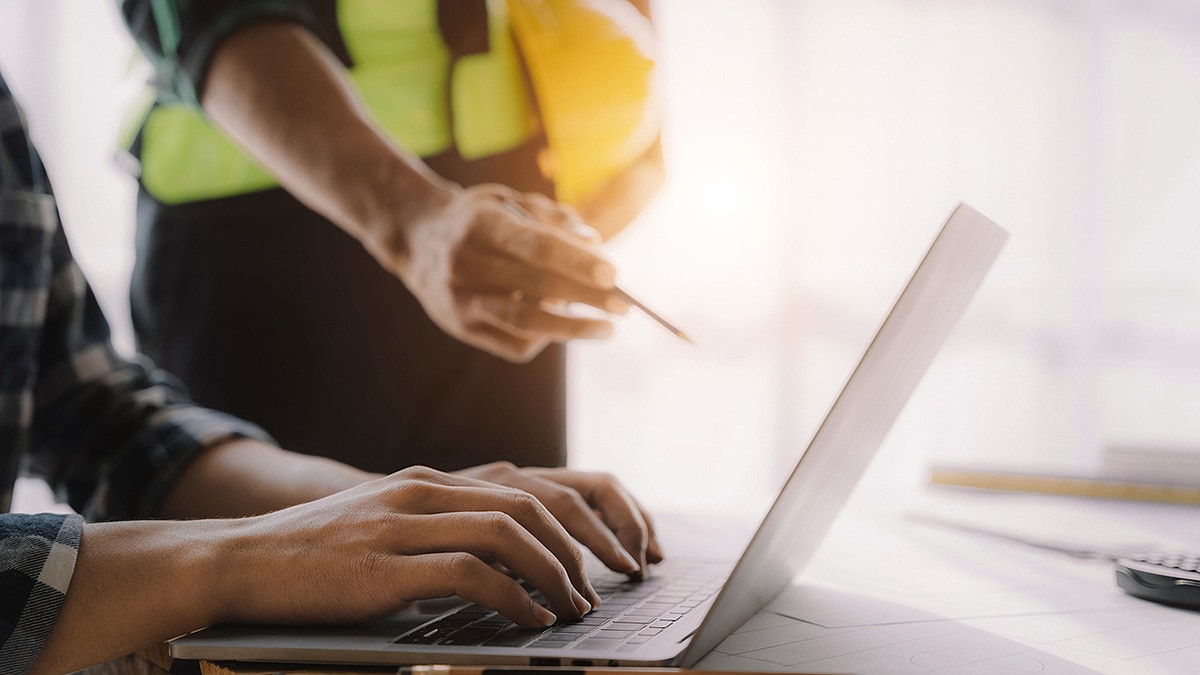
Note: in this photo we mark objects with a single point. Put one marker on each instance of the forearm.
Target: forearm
(361, 553)
(279, 92)
(246, 477)
(479, 260)
(136, 584)
(142, 582)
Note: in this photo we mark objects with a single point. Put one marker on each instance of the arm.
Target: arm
(384, 544)
(243, 476)
(480, 267)
(493, 275)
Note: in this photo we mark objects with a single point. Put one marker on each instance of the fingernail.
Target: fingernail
(581, 603)
(592, 596)
(543, 616)
(631, 563)
(642, 569)
(654, 553)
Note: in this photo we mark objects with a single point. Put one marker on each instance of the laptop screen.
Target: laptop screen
(914, 330)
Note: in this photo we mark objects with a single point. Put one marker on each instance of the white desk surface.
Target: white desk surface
(880, 591)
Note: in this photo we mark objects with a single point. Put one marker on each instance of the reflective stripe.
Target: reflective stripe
(492, 112)
(400, 70)
(186, 159)
(401, 65)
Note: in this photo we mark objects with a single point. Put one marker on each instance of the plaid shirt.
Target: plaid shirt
(108, 434)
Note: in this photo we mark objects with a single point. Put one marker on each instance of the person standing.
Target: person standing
(368, 193)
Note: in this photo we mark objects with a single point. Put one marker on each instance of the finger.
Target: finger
(654, 552)
(617, 508)
(484, 272)
(533, 515)
(439, 575)
(559, 215)
(507, 232)
(497, 191)
(529, 320)
(494, 536)
(521, 506)
(569, 507)
(540, 208)
(579, 519)
(417, 487)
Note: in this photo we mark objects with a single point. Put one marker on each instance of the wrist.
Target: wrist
(134, 584)
(317, 477)
(233, 571)
(267, 478)
(400, 192)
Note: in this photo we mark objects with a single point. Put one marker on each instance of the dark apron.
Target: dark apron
(268, 311)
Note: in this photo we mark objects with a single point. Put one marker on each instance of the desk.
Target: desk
(886, 568)
(1061, 606)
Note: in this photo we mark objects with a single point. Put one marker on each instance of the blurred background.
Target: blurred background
(814, 147)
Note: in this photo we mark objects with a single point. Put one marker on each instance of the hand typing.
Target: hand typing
(416, 534)
(594, 507)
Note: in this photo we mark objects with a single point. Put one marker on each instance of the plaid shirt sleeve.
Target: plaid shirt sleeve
(110, 435)
(37, 558)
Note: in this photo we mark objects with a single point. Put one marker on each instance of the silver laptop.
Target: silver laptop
(686, 607)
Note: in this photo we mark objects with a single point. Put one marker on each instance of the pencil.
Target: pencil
(524, 213)
(650, 313)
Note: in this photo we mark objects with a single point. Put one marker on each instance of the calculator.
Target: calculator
(1169, 578)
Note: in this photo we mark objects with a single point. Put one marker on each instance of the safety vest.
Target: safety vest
(588, 62)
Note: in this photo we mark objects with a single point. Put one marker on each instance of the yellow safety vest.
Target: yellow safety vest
(591, 72)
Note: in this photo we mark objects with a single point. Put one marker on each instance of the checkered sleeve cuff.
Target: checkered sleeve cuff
(37, 559)
(172, 440)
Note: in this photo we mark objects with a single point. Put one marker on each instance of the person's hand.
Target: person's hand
(593, 507)
(498, 269)
(417, 534)
(485, 273)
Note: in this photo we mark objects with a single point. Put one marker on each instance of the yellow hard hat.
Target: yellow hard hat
(592, 72)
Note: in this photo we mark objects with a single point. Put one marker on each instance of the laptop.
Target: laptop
(685, 607)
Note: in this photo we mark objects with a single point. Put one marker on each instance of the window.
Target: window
(815, 147)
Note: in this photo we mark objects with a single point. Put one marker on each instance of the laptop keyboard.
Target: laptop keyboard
(631, 613)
